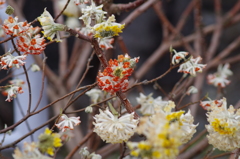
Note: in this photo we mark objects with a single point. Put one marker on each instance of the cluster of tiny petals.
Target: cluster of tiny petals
(220, 77)
(14, 89)
(108, 28)
(163, 138)
(10, 61)
(105, 43)
(178, 56)
(31, 45)
(191, 66)
(114, 129)
(223, 127)
(66, 123)
(12, 92)
(11, 26)
(115, 75)
(150, 106)
(92, 12)
(208, 105)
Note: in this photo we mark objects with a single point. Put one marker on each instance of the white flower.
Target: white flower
(94, 94)
(10, 61)
(67, 122)
(223, 128)
(178, 56)
(113, 129)
(187, 126)
(105, 43)
(11, 26)
(149, 105)
(17, 82)
(192, 90)
(35, 68)
(87, 31)
(30, 152)
(84, 152)
(220, 77)
(89, 109)
(92, 12)
(95, 156)
(209, 105)
(192, 66)
(12, 92)
(51, 29)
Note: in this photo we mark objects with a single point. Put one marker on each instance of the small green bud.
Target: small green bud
(9, 10)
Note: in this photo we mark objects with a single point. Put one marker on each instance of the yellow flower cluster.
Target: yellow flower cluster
(48, 141)
(222, 127)
(108, 29)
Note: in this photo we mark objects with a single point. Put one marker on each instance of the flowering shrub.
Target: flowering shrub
(144, 124)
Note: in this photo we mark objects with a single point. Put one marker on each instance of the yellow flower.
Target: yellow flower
(48, 141)
(108, 28)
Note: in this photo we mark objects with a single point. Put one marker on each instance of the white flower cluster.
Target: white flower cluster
(114, 129)
(223, 128)
(85, 154)
(178, 56)
(163, 138)
(66, 123)
(30, 152)
(51, 29)
(10, 61)
(220, 77)
(192, 66)
(96, 24)
(149, 105)
(13, 89)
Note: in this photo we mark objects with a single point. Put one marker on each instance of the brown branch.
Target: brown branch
(69, 156)
(62, 10)
(118, 8)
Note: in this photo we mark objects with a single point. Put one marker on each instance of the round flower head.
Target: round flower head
(31, 45)
(48, 141)
(10, 61)
(51, 29)
(162, 138)
(108, 29)
(115, 75)
(192, 66)
(66, 123)
(223, 128)
(11, 26)
(92, 13)
(114, 129)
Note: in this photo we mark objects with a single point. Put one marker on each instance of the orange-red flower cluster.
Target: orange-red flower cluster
(115, 75)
